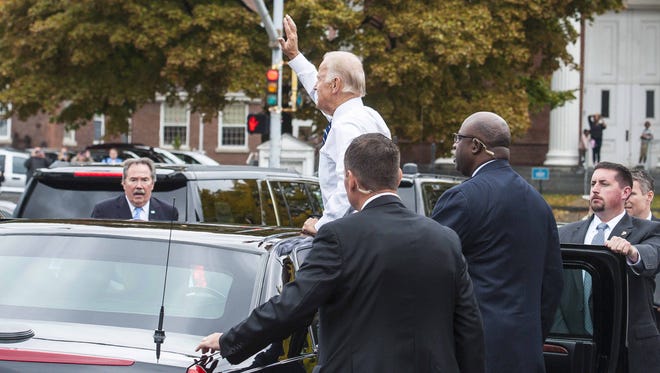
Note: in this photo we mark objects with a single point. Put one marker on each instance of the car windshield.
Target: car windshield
(119, 282)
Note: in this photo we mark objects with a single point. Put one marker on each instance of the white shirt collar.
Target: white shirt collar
(144, 214)
(376, 196)
(591, 232)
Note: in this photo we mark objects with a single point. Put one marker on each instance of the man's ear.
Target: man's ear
(351, 183)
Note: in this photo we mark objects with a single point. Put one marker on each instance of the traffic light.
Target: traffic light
(272, 82)
(258, 123)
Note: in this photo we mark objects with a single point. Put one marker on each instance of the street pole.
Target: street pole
(274, 30)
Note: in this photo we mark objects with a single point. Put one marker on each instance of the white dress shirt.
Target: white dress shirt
(350, 120)
(144, 214)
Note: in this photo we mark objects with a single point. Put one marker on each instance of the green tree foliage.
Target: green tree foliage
(429, 63)
(77, 58)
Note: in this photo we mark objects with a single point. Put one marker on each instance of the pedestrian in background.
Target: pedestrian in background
(113, 157)
(645, 139)
(509, 238)
(391, 286)
(636, 239)
(337, 89)
(583, 146)
(37, 160)
(596, 127)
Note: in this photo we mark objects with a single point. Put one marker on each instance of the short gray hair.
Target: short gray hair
(133, 161)
(348, 68)
(645, 180)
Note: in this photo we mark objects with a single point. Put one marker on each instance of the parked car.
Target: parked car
(243, 195)
(420, 191)
(13, 168)
(126, 151)
(85, 296)
(190, 157)
(6, 209)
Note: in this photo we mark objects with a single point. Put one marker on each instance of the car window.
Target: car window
(18, 165)
(230, 201)
(69, 198)
(571, 317)
(2, 163)
(119, 282)
(431, 192)
(294, 202)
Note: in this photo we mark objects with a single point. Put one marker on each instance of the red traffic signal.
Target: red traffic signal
(272, 83)
(257, 123)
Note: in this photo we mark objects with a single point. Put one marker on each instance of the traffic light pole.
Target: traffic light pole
(274, 30)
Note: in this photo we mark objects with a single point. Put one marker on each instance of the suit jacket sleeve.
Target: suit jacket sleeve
(649, 252)
(293, 308)
(451, 210)
(468, 327)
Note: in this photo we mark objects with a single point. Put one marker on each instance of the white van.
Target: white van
(13, 168)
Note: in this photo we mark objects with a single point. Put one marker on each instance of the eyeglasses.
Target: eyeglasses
(458, 137)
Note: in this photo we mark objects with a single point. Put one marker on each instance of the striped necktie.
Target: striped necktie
(326, 131)
(599, 239)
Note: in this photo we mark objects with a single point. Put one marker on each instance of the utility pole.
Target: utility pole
(274, 30)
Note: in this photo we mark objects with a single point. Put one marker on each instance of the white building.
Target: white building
(621, 80)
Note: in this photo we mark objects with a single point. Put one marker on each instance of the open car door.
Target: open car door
(572, 346)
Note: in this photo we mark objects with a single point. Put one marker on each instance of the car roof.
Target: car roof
(192, 171)
(235, 236)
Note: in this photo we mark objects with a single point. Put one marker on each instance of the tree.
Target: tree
(428, 63)
(74, 59)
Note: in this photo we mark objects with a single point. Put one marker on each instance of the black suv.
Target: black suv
(243, 195)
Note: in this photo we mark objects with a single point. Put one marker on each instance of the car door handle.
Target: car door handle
(16, 178)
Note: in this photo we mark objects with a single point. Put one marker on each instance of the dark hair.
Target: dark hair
(133, 161)
(623, 175)
(645, 180)
(374, 160)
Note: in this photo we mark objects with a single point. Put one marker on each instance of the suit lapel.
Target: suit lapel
(123, 209)
(623, 229)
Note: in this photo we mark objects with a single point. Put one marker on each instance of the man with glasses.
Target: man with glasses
(138, 181)
(509, 238)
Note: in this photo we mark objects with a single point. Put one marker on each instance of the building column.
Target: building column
(565, 120)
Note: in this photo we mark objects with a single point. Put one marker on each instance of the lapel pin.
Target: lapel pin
(154, 211)
(623, 233)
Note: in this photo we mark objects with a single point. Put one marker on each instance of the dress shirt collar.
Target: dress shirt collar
(145, 209)
(591, 232)
(376, 196)
(347, 107)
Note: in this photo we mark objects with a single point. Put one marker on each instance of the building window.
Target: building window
(99, 128)
(69, 138)
(650, 104)
(232, 125)
(174, 125)
(605, 103)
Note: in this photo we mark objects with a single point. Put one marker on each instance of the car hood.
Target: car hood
(105, 341)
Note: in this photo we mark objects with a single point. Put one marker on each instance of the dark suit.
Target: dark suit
(118, 208)
(643, 336)
(393, 293)
(509, 238)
